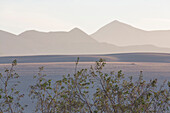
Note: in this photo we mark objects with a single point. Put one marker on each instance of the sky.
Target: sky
(17, 16)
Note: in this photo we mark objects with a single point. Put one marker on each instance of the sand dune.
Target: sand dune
(124, 57)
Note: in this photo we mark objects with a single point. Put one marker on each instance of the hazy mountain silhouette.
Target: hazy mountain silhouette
(44, 43)
(121, 34)
(10, 44)
(75, 41)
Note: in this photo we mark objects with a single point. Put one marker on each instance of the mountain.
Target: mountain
(122, 34)
(73, 42)
(46, 43)
(9, 44)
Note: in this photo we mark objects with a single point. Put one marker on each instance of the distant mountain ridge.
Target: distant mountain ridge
(76, 41)
(50, 43)
(123, 34)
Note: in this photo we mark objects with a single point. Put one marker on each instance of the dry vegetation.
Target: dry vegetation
(88, 90)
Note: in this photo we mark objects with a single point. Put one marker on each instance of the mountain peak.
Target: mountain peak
(118, 23)
(117, 26)
(29, 32)
(76, 30)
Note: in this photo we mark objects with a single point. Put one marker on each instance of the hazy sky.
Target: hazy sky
(17, 16)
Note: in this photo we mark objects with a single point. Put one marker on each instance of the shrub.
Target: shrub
(91, 90)
(9, 95)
